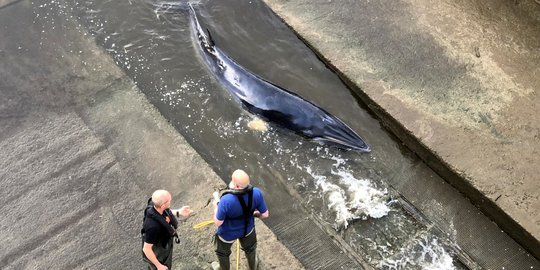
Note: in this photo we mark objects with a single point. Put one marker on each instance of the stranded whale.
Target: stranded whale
(271, 102)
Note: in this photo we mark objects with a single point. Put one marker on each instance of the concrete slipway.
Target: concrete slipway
(456, 81)
(81, 147)
(82, 150)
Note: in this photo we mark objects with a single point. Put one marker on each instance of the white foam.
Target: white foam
(433, 256)
(364, 198)
(351, 198)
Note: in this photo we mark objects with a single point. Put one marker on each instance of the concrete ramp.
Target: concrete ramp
(456, 82)
(81, 152)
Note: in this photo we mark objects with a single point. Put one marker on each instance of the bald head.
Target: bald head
(240, 179)
(160, 197)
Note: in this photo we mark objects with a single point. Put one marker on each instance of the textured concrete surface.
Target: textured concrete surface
(456, 81)
(82, 150)
(4, 3)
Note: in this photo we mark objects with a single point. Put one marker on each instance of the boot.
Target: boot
(251, 257)
(224, 263)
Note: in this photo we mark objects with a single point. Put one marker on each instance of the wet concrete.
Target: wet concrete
(89, 144)
(82, 150)
(455, 81)
(5, 3)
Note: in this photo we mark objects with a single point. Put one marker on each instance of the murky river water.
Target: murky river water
(152, 42)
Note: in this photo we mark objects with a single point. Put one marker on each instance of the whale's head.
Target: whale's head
(336, 133)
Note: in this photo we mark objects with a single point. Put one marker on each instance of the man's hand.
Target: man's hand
(215, 201)
(185, 211)
(162, 267)
(260, 215)
(151, 256)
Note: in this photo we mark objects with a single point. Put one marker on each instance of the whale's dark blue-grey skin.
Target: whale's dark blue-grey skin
(271, 102)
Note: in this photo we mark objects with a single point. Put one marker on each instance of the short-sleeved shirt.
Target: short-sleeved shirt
(154, 232)
(230, 211)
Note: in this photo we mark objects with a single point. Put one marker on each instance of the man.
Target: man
(234, 218)
(159, 228)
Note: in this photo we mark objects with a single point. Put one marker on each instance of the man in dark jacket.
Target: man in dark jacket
(159, 229)
(234, 216)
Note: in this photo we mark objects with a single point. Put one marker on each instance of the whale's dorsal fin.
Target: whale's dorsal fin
(210, 39)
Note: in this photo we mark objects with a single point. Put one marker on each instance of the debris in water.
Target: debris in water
(258, 125)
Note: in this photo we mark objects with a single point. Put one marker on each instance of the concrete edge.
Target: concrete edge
(7, 3)
(448, 173)
(434, 161)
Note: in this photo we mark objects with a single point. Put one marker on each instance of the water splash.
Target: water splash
(426, 253)
(365, 199)
(351, 198)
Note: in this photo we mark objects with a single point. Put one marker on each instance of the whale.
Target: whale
(269, 101)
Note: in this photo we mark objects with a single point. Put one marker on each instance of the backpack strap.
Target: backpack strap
(246, 209)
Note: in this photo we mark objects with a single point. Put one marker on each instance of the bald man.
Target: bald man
(234, 218)
(159, 228)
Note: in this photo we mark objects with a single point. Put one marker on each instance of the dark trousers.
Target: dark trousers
(249, 246)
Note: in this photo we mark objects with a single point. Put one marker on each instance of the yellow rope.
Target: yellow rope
(237, 253)
(203, 224)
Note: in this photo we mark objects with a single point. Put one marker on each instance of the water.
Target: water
(152, 42)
